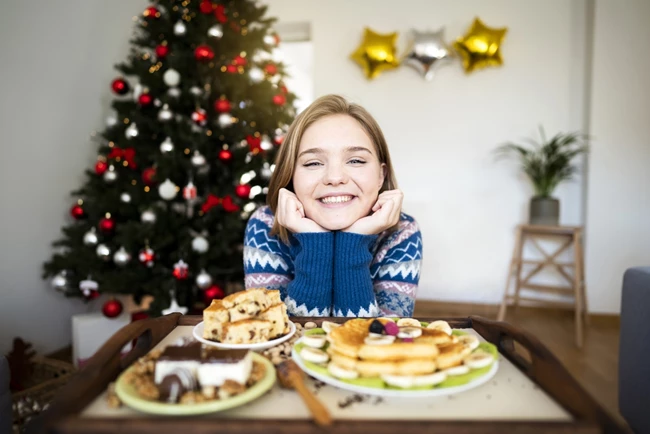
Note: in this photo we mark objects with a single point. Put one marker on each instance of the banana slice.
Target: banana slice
(403, 381)
(469, 341)
(379, 340)
(440, 325)
(478, 359)
(314, 341)
(430, 379)
(409, 332)
(328, 326)
(314, 355)
(456, 370)
(339, 372)
(408, 322)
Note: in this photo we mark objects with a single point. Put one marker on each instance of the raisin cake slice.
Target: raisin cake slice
(248, 331)
(215, 317)
(277, 315)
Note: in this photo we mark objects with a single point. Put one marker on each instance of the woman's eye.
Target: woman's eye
(357, 161)
(311, 164)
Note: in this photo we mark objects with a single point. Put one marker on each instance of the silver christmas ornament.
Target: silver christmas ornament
(216, 31)
(148, 216)
(196, 91)
(103, 252)
(167, 146)
(165, 114)
(90, 237)
(203, 280)
(121, 257)
(171, 77)
(125, 197)
(60, 281)
(179, 28)
(131, 131)
(174, 92)
(266, 143)
(200, 244)
(110, 175)
(198, 159)
(167, 190)
(256, 74)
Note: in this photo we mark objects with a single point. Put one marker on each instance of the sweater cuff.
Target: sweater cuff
(313, 265)
(354, 293)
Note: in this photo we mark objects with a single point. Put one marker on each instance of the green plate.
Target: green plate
(130, 397)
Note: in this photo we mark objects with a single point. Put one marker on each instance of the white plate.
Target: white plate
(198, 335)
(332, 381)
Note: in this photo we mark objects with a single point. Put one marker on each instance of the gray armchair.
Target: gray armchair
(634, 350)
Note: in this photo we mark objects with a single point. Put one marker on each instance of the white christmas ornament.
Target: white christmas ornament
(110, 175)
(174, 92)
(87, 286)
(131, 131)
(195, 90)
(148, 216)
(266, 143)
(121, 257)
(103, 252)
(225, 120)
(137, 91)
(125, 197)
(167, 190)
(179, 28)
(165, 114)
(270, 40)
(203, 280)
(111, 119)
(198, 159)
(90, 237)
(171, 77)
(216, 31)
(256, 74)
(60, 281)
(200, 244)
(167, 146)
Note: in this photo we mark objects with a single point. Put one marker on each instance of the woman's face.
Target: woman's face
(338, 176)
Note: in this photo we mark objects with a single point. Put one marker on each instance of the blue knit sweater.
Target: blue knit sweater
(336, 273)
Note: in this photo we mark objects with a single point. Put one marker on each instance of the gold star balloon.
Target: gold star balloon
(481, 46)
(376, 53)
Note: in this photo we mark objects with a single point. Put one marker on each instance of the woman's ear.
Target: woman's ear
(382, 175)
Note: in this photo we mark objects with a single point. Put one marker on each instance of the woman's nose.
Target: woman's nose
(335, 175)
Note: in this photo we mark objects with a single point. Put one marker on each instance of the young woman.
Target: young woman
(333, 238)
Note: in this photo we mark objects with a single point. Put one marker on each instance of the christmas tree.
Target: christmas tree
(199, 107)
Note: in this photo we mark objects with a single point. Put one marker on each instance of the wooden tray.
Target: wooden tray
(524, 351)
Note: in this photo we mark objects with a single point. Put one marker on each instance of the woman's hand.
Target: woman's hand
(291, 214)
(386, 212)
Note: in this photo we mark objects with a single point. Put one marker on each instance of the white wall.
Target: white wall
(442, 132)
(618, 212)
(57, 63)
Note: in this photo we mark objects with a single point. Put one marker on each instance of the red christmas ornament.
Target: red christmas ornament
(284, 89)
(243, 190)
(220, 13)
(222, 105)
(145, 100)
(180, 270)
(189, 191)
(148, 175)
(91, 294)
(225, 155)
(253, 142)
(77, 212)
(106, 224)
(200, 117)
(279, 99)
(162, 51)
(206, 7)
(120, 86)
(228, 204)
(151, 12)
(203, 53)
(210, 202)
(232, 69)
(239, 61)
(112, 308)
(212, 293)
(146, 256)
(271, 69)
(100, 167)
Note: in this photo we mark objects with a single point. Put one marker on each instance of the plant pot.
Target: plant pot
(544, 211)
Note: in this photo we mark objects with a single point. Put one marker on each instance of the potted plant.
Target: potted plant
(547, 163)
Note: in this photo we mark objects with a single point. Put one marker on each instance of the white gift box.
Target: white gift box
(91, 330)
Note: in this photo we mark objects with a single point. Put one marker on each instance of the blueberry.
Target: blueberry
(376, 327)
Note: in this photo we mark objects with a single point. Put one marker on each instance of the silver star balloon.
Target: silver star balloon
(427, 52)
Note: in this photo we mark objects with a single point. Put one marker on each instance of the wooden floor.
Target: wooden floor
(595, 366)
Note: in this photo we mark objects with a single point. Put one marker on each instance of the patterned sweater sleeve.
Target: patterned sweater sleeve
(301, 271)
(395, 269)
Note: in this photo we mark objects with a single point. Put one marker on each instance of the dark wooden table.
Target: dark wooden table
(523, 350)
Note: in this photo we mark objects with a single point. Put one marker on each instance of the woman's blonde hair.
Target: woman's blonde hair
(287, 156)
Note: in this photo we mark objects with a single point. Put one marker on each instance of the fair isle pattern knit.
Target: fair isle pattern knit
(336, 273)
